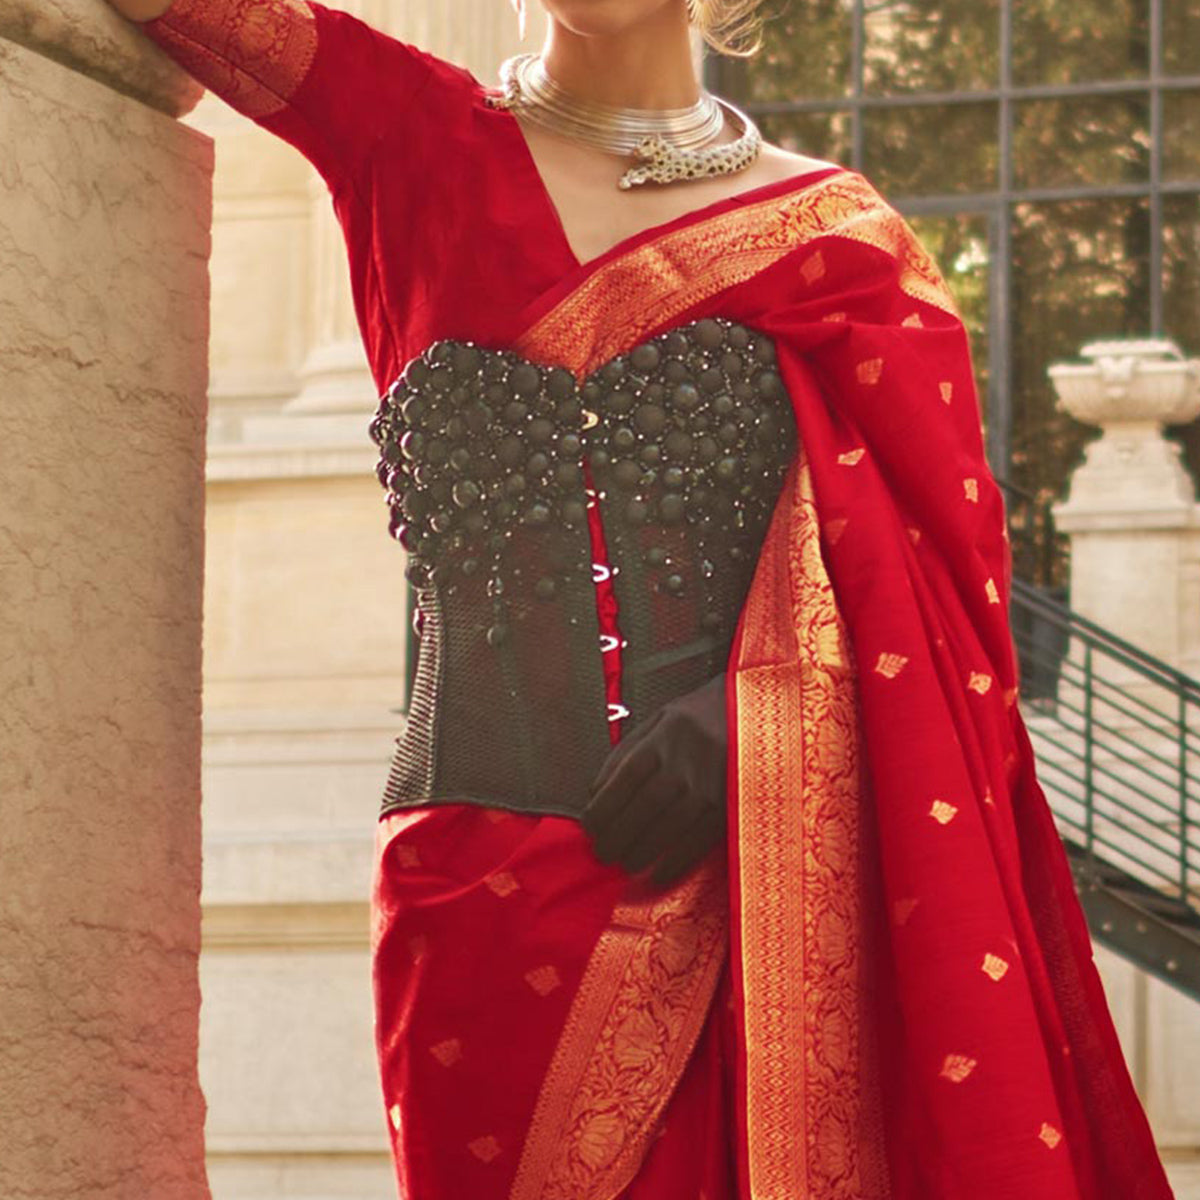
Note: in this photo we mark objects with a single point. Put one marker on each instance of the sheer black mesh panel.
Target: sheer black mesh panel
(687, 528)
(688, 435)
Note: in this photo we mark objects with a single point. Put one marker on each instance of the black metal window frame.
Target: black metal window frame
(997, 206)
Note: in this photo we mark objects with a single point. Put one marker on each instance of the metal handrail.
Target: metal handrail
(1125, 652)
(1118, 742)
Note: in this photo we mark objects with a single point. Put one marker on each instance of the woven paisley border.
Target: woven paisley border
(639, 290)
(631, 1029)
(254, 53)
(814, 1121)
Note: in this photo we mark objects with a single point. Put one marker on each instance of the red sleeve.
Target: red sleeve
(321, 79)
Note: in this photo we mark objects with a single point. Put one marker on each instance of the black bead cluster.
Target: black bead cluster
(480, 446)
(695, 427)
(477, 447)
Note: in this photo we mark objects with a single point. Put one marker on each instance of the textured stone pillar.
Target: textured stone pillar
(104, 217)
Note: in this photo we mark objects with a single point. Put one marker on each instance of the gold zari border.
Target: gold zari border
(254, 54)
(639, 290)
(814, 1118)
(629, 1034)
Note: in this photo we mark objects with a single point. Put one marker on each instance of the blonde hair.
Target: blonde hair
(732, 27)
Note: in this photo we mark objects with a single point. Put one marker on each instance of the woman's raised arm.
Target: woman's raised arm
(140, 10)
(313, 75)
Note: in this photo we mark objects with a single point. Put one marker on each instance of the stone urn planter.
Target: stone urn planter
(1131, 513)
(1131, 389)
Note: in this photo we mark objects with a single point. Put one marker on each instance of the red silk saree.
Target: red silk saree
(909, 1006)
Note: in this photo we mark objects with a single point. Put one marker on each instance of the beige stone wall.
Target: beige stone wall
(104, 218)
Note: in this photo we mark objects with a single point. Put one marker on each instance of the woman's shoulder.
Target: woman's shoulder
(778, 163)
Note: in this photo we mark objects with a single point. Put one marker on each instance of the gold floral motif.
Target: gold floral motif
(406, 855)
(890, 665)
(942, 812)
(543, 980)
(913, 321)
(813, 268)
(980, 682)
(851, 458)
(993, 593)
(834, 317)
(486, 1149)
(971, 490)
(1049, 1135)
(600, 1139)
(448, 1052)
(395, 1116)
(994, 967)
(869, 371)
(647, 285)
(633, 1024)
(957, 1067)
(503, 883)
(947, 390)
(252, 53)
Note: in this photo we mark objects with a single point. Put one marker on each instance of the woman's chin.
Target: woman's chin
(602, 18)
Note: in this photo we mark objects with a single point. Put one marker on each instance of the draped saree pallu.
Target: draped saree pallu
(885, 988)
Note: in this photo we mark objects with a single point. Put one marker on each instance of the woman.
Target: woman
(712, 860)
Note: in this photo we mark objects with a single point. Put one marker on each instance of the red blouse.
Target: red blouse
(408, 147)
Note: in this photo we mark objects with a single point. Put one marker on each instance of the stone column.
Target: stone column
(104, 219)
(1131, 515)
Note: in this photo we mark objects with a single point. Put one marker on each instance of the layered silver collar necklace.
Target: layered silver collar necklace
(668, 143)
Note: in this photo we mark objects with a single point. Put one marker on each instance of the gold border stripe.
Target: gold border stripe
(632, 1027)
(639, 290)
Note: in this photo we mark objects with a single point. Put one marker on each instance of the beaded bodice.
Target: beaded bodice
(490, 463)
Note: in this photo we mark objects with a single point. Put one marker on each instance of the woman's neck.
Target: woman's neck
(648, 65)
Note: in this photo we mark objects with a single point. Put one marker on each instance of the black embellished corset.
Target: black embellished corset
(486, 459)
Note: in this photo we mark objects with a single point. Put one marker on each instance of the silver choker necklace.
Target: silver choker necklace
(669, 143)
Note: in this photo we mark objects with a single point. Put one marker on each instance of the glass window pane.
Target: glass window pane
(1080, 271)
(1083, 140)
(959, 245)
(819, 135)
(1078, 41)
(931, 45)
(1181, 296)
(1181, 37)
(1181, 135)
(927, 149)
(805, 55)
